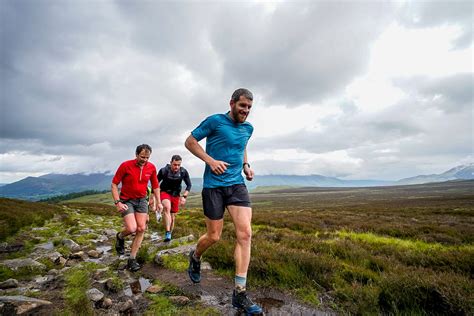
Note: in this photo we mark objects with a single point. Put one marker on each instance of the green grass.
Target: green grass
(16, 214)
(77, 281)
(399, 250)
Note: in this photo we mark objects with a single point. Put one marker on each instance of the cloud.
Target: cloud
(82, 84)
(440, 13)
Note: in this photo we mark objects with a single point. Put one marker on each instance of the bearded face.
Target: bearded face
(240, 110)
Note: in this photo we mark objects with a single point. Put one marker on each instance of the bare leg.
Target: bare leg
(213, 234)
(241, 216)
(130, 224)
(166, 214)
(173, 220)
(141, 219)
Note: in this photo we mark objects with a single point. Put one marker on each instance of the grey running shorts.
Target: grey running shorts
(215, 200)
(136, 206)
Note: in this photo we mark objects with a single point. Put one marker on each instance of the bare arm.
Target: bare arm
(158, 206)
(217, 166)
(115, 194)
(247, 170)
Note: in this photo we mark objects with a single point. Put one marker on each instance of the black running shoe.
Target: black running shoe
(133, 265)
(194, 269)
(243, 302)
(120, 245)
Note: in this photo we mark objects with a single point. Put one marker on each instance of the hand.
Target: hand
(248, 173)
(159, 207)
(182, 201)
(218, 167)
(121, 207)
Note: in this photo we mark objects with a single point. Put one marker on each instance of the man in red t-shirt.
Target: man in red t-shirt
(132, 203)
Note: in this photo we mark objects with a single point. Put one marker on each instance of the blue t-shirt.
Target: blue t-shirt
(226, 141)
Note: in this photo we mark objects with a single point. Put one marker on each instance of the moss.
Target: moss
(23, 273)
(177, 263)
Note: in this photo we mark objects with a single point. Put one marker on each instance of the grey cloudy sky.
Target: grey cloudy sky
(354, 89)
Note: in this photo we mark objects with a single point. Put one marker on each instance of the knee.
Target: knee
(141, 228)
(244, 236)
(131, 228)
(214, 237)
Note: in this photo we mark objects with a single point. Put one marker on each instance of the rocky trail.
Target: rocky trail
(69, 266)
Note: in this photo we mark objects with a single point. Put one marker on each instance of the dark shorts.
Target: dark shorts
(214, 200)
(136, 206)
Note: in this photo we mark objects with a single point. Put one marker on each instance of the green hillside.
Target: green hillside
(16, 214)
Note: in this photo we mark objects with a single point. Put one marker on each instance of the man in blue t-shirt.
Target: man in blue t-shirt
(224, 187)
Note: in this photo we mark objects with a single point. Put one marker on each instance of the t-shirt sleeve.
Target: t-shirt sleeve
(119, 174)
(205, 128)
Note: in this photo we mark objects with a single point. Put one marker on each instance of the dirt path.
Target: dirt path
(215, 291)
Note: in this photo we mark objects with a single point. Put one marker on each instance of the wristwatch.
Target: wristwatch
(245, 163)
(117, 202)
(185, 196)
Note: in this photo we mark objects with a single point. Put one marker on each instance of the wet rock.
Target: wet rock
(125, 306)
(43, 281)
(53, 272)
(179, 300)
(6, 248)
(71, 244)
(93, 253)
(100, 273)
(8, 284)
(185, 249)
(60, 261)
(19, 304)
(94, 295)
(39, 228)
(46, 246)
(78, 255)
(110, 232)
(154, 289)
(135, 287)
(107, 303)
(15, 264)
(112, 286)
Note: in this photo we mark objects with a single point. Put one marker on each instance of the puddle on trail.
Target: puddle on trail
(155, 237)
(140, 285)
(104, 248)
(47, 246)
(211, 300)
(269, 303)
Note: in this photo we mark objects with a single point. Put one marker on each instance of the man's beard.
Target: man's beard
(237, 117)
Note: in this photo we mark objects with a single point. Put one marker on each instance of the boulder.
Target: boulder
(16, 264)
(72, 245)
(19, 304)
(8, 284)
(95, 295)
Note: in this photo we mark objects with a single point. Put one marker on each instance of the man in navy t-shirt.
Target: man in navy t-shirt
(224, 187)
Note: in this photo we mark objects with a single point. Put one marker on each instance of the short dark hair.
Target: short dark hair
(241, 92)
(142, 147)
(176, 158)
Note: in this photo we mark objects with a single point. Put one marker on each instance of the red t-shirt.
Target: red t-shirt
(135, 179)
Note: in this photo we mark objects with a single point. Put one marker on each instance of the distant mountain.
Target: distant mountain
(463, 172)
(311, 181)
(36, 188)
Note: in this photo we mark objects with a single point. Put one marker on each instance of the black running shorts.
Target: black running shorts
(215, 200)
(136, 206)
